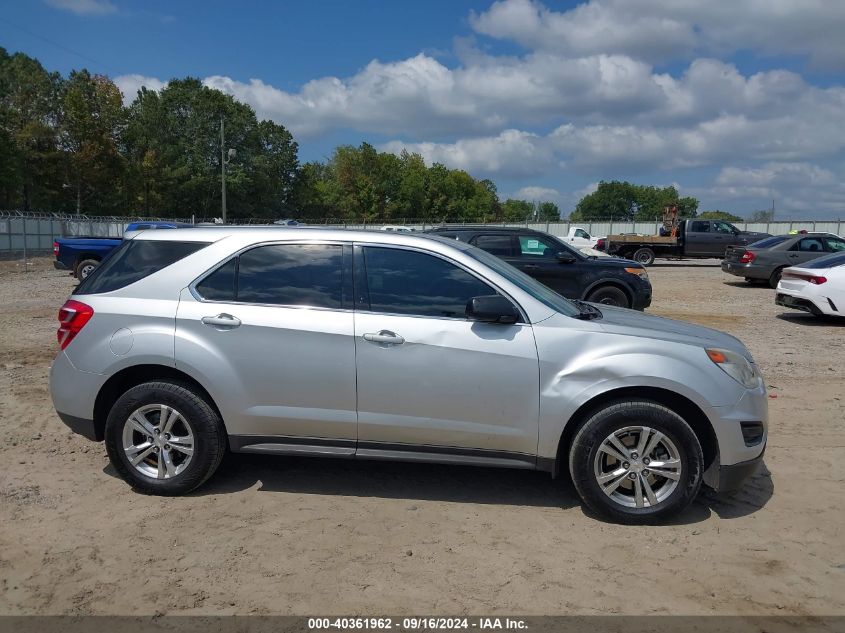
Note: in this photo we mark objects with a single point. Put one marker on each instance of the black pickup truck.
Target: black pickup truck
(695, 239)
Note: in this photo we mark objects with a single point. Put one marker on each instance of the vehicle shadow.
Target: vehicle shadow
(804, 318)
(754, 494)
(761, 285)
(450, 483)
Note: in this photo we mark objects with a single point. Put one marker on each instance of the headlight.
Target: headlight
(736, 366)
(640, 272)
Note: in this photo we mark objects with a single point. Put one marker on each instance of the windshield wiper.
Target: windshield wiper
(586, 311)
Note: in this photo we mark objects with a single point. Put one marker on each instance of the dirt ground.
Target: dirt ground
(304, 536)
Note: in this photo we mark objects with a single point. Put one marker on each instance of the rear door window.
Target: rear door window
(811, 245)
(292, 274)
(700, 227)
(132, 261)
(499, 245)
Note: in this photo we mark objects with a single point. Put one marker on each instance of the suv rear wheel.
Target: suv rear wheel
(164, 439)
(636, 461)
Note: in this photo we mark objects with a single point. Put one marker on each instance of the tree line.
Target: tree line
(70, 145)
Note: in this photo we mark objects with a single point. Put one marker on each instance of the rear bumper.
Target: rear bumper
(86, 428)
(59, 265)
(799, 303)
(749, 271)
(732, 477)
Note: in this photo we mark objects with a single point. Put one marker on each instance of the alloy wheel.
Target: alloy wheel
(158, 441)
(637, 467)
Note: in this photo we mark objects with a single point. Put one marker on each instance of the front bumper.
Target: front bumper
(731, 478)
(642, 298)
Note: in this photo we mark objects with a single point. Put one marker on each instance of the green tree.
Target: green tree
(517, 210)
(90, 125)
(628, 202)
(31, 165)
(720, 215)
(549, 212)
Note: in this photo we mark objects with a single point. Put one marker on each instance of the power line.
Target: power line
(58, 45)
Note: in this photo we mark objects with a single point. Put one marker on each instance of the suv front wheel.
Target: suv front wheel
(636, 461)
(164, 439)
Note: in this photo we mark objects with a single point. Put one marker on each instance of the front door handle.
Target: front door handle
(222, 320)
(385, 337)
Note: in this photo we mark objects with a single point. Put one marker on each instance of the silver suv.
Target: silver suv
(382, 345)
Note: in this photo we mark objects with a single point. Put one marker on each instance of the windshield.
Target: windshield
(524, 282)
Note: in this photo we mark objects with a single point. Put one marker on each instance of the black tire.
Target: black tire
(209, 437)
(611, 296)
(85, 268)
(774, 279)
(644, 256)
(635, 413)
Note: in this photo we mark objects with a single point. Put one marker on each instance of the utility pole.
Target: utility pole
(223, 162)
(223, 170)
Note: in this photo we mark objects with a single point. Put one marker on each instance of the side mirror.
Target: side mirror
(492, 309)
(566, 258)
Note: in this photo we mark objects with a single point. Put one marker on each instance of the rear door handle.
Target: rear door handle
(530, 267)
(222, 320)
(385, 337)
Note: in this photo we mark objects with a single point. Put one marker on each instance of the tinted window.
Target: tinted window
(700, 227)
(811, 244)
(132, 261)
(835, 244)
(408, 282)
(723, 227)
(220, 285)
(292, 274)
(530, 285)
(536, 246)
(770, 241)
(582, 233)
(828, 261)
(499, 245)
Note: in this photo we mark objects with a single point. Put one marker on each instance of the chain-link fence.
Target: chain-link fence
(27, 234)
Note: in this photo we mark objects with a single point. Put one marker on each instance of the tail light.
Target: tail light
(747, 257)
(816, 280)
(600, 244)
(55, 249)
(73, 316)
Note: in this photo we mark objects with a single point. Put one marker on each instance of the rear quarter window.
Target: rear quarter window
(132, 261)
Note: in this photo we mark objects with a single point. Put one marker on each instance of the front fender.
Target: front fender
(609, 362)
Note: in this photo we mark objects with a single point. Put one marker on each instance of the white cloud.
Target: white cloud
(129, 85)
(84, 7)
(512, 152)
(660, 31)
(540, 194)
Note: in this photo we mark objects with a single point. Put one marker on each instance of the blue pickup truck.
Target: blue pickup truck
(81, 255)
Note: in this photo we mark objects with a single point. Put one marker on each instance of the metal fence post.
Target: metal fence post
(23, 229)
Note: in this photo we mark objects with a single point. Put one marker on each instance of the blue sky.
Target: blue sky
(736, 103)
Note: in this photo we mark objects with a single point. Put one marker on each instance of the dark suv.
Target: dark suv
(608, 280)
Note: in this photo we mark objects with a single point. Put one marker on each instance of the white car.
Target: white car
(396, 229)
(817, 286)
